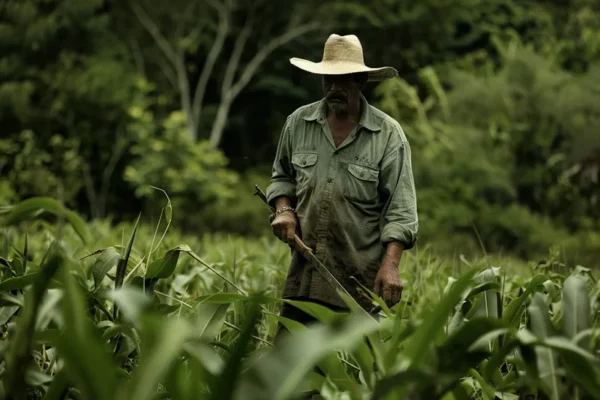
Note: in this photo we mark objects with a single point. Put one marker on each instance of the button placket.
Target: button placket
(324, 215)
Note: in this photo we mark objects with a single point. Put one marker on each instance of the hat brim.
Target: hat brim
(342, 68)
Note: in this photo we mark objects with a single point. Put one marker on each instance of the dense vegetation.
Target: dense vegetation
(100, 100)
(87, 315)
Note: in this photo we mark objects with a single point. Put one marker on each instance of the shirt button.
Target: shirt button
(304, 162)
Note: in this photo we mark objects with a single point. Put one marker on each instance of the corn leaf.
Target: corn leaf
(35, 206)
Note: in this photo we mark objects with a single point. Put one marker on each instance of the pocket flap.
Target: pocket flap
(304, 159)
(363, 173)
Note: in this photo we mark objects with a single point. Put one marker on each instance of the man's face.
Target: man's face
(341, 90)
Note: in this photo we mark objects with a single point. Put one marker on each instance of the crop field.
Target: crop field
(140, 311)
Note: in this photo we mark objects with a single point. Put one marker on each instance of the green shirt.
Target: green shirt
(350, 201)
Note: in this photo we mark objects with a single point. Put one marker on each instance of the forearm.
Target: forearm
(282, 201)
(393, 253)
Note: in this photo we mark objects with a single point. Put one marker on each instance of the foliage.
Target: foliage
(498, 156)
(193, 173)
(36, 170)
(121, 322)
(65, 85)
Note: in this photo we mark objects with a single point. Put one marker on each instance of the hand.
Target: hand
(284, 226)
(388, 284)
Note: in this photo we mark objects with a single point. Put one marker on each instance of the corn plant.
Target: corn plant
(121, 323)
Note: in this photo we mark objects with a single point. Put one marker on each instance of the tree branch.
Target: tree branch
(184, 93)
(210, 60)
(234, 60)
(263, 53)
(154, 31)
(247, 74)
(187, 11)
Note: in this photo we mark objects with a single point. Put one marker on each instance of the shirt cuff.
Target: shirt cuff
(405, 234)
(277, 189)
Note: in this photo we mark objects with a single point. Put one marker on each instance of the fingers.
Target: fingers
(377, 288)
(290, 235)
(284, 228)
(390, 292)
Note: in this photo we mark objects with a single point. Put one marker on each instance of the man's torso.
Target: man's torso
(339, 202)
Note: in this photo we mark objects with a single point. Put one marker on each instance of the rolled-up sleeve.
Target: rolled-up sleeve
(283, 181)
(400, 220)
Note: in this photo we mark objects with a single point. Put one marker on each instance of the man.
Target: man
(342, 180)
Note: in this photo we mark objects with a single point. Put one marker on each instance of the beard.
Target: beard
(337, 103)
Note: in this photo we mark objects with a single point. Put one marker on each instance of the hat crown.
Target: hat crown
(343, 48)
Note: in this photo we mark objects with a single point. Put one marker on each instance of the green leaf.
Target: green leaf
(458, 353)
(35, 377)
(576, 307)
(19, 282)
(132, 302)
(109, 258)
(279, 373)
(488, 392)
(489, 287)
(512, 312)
(95, 374)
(35, 206)
(547, 360)
(417, 349)
(209, 319)
(581, 366)
(498, 357)
(229, 380)
(7, 299)
(6, 313)
(165, 266)
(19, 353)
(221, 298)
(321, 313)
(122, 264)
(59, 386)
(48, 308)
(398, 384)
(156, 360)
(205, 355)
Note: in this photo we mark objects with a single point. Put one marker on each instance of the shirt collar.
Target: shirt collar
(367, 118)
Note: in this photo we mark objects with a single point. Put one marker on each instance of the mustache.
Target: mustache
(337, 96)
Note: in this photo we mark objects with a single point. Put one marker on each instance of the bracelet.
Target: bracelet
(282, 209)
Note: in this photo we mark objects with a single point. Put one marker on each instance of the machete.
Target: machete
(308, 254)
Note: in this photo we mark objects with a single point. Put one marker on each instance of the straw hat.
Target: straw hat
(343, 55)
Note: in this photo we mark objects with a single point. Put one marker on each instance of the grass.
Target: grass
(93, 311)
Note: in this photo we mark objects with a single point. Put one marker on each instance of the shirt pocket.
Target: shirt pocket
(362, 183)
(306, 169)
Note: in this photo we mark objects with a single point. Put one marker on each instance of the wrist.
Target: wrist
(389, 263)
(283, 209)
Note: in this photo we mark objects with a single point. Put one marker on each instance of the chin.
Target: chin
(338, 107)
